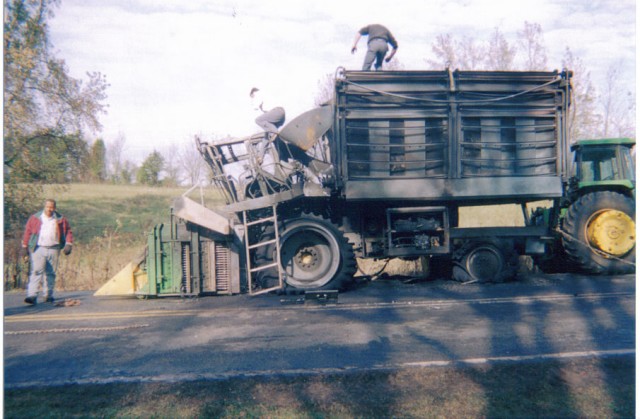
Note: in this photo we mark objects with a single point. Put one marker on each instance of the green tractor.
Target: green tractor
(597, 218)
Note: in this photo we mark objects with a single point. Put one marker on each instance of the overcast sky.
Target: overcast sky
(179, 68)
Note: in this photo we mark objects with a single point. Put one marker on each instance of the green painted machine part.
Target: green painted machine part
(184, 259)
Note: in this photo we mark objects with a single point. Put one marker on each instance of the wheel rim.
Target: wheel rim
(484, 263)
(310, 256)
(612, 232)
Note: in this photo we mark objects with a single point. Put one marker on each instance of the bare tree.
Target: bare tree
(115, 151)
(531, 42)
(583, 118)
(191, 164)
(325, 90)
(444, 49)
(500, 54)
(618, 106)
(472, 55)
(609, 114)
(127, 172)
(467, 54)
(171, 167)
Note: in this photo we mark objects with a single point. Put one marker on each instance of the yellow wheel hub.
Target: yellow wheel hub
(613, 232)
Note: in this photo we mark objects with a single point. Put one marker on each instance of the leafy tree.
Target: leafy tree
(46, 161)
(45, 110)
(20, 200)
(149, 172)
(97, 167)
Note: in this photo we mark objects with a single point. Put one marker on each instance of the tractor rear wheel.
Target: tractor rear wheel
(489, 260)
(599, 233)
(314, 254)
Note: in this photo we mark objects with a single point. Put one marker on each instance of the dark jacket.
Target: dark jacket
(378, 31)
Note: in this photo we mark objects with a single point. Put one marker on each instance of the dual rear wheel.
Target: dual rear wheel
(488, 260)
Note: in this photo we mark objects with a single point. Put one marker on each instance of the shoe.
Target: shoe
(31, 300)
(49, 300)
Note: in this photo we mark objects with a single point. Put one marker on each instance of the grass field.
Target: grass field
(579, 388)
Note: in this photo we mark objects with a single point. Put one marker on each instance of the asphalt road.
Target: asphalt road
(381, 325)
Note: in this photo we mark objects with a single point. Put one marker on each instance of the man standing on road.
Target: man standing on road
(379, 37)
(45, 234)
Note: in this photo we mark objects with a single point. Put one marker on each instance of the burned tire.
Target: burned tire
(485, 261)
(599, 233)
(314, 255)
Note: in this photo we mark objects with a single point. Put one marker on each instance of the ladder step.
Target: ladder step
(261, 220)
(253, 246)
(273, 219)
(262, 268)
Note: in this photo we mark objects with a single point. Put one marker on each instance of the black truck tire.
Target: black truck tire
(314, 254)
(599, 233)
(484, 261)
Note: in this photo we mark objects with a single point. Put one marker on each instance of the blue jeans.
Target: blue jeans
(44, 263)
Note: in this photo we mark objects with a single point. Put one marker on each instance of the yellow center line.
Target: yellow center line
(98, 316)
(409, 304)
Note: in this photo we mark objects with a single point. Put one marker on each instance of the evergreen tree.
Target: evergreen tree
(149, 172)
(97, 166)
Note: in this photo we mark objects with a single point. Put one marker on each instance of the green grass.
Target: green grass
(588, 387)
(96, 211)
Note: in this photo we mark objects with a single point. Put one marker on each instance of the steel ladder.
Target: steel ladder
(271, 219)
